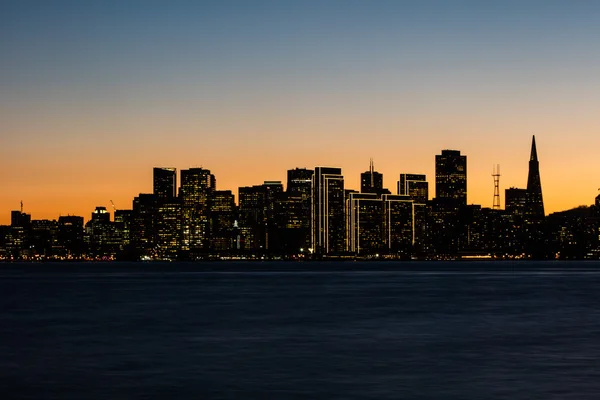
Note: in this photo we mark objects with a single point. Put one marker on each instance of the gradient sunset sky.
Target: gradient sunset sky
(93, 94)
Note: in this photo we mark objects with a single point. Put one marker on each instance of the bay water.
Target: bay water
(277, 330)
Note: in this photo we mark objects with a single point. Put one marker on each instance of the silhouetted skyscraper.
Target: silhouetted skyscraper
(165, 183)
(197, 187)
(515, 201)
(364, 223)
(167, 225)
(143, 216)
(399, 223)
(292, 212)
(223, 214)
(328, 211)
(415, 186)
(371, 181)
(298, 182)
(252, 216)
(535, 203)
(70, 235)
(451, 178)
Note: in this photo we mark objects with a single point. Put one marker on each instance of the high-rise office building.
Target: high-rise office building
(100, 214)
(371, 181)
(298, 182)
(515, 200)
(143, 216)
(399, 224)
(165, 183)
(223, 216)
(364, 223)
(123, 220)
(44, 237)
(100, 236)
(292, 212)
(328, 211)
(451, 178)
(415, 186)
(535, 203)
(70, 235)
(257, 214)
(168, 228)
(252, 216)
(273, 193)
(19, 219)
(197, 187)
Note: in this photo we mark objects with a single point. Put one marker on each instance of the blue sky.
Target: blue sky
(392, 80)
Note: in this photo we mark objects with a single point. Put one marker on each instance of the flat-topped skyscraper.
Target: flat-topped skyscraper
(451, 177)
(165, 183)
(328, 211)
(415, 186)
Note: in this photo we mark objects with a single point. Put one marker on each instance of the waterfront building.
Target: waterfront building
(327, 211)
(364, 223)
(451, 178)
(415, 186)
(165, 183)
(195, 193)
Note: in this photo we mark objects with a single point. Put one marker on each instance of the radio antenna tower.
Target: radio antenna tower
(496, 175)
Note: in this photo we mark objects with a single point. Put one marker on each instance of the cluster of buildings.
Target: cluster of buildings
(314, 217)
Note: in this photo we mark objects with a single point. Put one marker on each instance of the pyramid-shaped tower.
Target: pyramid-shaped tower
(535, 202)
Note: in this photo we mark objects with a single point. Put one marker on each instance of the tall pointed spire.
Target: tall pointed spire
(533, 150)
(535, 202)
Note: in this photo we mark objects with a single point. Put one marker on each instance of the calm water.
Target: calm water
(301, 331)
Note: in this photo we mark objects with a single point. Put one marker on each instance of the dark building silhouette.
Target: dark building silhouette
(20, 229)
(70, 236)
(515, 201)
(100, 214)
(292, 212)
(371, 181)
(122, 221)
(223, 214)
(143, 216)
(534, 209)
(401, 228)
(451, 178)
(101, 236)
(165, 183)
(257, 211)
(328, 211)
(298, 182)
(415, 186)
(44, 237)
(273, 193)
(20, 219)
(252, 216)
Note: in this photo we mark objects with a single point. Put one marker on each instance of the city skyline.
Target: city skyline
(173, 174)
(394, 188)
(315, 216)
(96, 94)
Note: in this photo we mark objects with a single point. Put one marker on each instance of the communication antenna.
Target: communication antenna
(371, 169)
(21, 206)
(496, 175)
